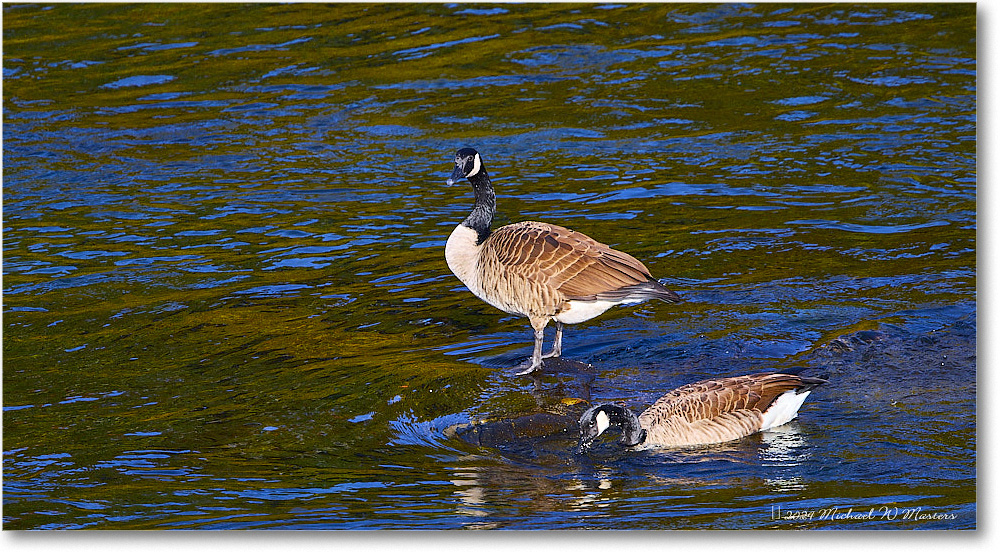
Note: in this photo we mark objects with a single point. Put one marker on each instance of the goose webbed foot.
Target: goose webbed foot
(529, 366)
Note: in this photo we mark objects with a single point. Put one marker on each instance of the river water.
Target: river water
(226, 306)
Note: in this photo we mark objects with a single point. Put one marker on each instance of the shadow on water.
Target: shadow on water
(225, 303)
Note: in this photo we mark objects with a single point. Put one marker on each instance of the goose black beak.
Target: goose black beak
(456, 175)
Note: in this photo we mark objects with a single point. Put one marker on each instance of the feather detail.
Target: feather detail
(547, 265)
(718, 410)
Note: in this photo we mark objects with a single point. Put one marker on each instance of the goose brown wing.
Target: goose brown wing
(712, 398)
(579, 267)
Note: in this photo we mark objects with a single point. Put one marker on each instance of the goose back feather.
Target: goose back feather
(538, 269)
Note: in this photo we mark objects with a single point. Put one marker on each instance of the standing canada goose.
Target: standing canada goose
(710, 411)
(538, 270)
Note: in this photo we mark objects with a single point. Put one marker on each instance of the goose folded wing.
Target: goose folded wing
(711, 398)
(579, 267)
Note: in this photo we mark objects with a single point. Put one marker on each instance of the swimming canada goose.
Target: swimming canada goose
(710, 411)
(538, 270)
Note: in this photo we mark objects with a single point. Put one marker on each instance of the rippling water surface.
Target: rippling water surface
(226, 306)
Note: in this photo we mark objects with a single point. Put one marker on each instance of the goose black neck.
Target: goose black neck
(481, 217)
(632, 432)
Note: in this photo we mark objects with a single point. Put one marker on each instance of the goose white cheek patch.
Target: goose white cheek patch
(477, 164)
(602, 422)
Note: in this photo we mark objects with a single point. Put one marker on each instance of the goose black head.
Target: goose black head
(467, 164)
(597, 419)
